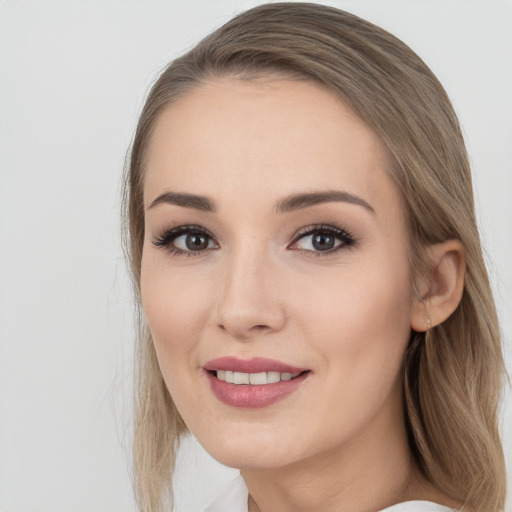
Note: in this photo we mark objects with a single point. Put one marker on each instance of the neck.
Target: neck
(371, 472)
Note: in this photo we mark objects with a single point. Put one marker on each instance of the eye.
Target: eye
(322, 239)
(186, 240)
(193, 242)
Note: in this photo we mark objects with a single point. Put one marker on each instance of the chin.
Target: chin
(251, 459)
(249, 451)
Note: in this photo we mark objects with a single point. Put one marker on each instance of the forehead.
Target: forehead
(264, 138)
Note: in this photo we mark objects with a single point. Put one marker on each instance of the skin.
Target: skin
(339, 441)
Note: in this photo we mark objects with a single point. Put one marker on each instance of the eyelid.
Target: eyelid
(348, 240)
(168, 236)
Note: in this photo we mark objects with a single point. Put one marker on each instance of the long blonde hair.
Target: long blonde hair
(452, 376)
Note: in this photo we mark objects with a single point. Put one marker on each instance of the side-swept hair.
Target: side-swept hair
(453, 375)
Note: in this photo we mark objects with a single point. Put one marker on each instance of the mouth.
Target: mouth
(253, 383)
(254, 379)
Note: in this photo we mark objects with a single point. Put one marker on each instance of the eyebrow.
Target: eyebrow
(299, 201)
(185, 200)
(288, 204)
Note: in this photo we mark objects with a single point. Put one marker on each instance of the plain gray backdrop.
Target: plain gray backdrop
(73, 76)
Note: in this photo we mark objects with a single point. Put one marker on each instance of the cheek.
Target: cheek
(360, 322)
(362, 330)
(175, 309)
(365, 296)
(379, 302)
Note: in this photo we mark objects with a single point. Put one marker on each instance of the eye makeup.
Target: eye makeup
(189, 240)
(316, 240)
(322, 239)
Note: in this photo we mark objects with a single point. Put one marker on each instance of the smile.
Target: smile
(253, 383)
(254, 379)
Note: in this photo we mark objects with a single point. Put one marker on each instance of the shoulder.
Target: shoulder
(233, 498)
(418, 506)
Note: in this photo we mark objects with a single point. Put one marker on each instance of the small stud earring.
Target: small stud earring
(429, 324)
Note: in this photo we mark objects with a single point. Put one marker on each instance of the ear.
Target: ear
(442, 292)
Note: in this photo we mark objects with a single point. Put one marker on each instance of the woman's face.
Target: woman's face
(275, 256)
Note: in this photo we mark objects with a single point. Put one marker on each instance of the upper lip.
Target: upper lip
(253, 365)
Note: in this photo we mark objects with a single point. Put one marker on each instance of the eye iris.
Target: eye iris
(323, 241)
(195, 242)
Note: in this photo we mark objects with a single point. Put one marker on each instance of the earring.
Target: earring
(429, 324)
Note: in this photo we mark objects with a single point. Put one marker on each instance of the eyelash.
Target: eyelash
(344, 236)
(166, 239)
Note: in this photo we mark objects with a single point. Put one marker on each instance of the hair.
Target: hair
(453, 375)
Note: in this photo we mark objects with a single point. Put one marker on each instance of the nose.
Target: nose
(249, 303)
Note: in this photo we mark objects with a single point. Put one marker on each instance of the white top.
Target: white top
(235, 498)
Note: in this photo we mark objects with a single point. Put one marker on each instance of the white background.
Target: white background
(73, 75)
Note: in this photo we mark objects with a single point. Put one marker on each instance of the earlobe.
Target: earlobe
(442, 292)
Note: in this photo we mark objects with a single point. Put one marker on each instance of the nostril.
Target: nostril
(258, 327)
(241, 321)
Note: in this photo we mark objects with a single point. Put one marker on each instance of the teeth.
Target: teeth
(273, 377)
(240, 378)
(256, 379)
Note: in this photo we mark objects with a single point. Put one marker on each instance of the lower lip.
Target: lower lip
(252, 397)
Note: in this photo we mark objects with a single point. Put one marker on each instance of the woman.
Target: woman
(316, 310)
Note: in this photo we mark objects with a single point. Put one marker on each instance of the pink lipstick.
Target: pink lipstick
(252, 383)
